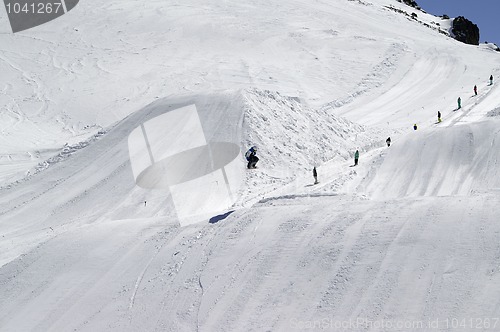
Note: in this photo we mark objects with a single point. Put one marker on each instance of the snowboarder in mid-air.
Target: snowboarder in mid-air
(491, 79)
(388, 141)
(439, 117)
(315, 175)
(356, 158)
(459, 101)
(251, 157)
(475, 90)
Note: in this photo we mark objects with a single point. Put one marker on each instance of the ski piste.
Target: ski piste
(410, 234)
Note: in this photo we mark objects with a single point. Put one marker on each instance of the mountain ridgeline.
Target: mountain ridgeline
(463, 29)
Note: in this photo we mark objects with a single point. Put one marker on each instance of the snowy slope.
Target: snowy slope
(408, 236)
(267, 268)
(65, 80)
(457, 161)
(97, 181)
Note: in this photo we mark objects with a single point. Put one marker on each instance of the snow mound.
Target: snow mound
(293, 135)
(459, 160)
(292, 138)
(94, 179)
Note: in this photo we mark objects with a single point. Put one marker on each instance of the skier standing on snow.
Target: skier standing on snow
(475, 90)
(251, 157)
(415, 126)
(491, 79)
(439, 116)
(315, 174)
(356, 158)
(459, 101)
(388, 141)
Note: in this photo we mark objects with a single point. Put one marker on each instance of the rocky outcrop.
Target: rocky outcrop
(465, 31)
(411, 3)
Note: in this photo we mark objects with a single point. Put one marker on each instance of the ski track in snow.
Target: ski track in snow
(408, 235)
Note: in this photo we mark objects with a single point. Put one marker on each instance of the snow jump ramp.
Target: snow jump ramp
(170, 152)
(458, 161)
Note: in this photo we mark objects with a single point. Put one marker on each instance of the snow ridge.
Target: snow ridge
(66, 152)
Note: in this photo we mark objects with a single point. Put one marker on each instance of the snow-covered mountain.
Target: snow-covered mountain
(404, 241)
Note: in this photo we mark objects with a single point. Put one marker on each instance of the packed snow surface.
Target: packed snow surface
(407, 240)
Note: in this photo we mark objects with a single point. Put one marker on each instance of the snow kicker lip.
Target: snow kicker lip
(170, 152)
(27, 14)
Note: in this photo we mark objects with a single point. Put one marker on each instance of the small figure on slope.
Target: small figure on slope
(315, 175)
(415, 127)
(491, 79)
(388, 141)
(439, 117)
(356, 158)
(475, 90)
(459, 101)
(251, 157)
